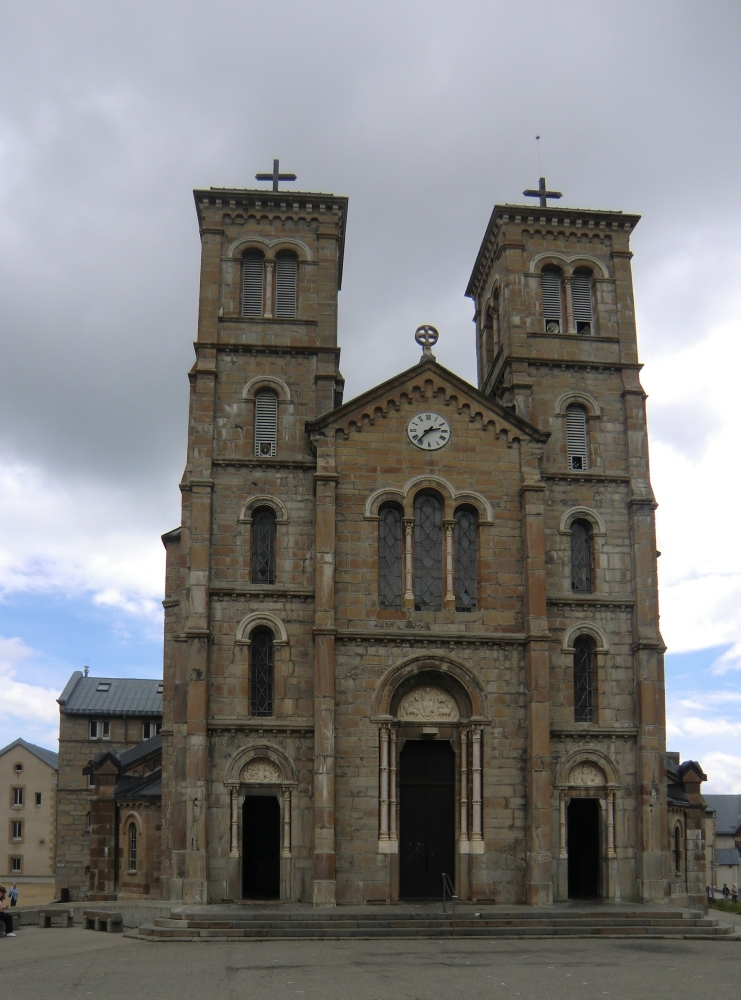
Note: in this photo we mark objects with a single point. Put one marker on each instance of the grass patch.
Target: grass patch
(726, 905)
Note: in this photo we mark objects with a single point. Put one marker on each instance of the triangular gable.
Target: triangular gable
(389, 393)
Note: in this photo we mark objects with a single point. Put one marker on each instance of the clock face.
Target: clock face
(428, 431)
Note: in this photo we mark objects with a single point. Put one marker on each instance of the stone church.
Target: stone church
(415, 634)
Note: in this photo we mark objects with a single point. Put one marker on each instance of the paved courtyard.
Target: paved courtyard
(75, 964)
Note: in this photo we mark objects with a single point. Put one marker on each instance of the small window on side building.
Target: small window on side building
(38, 798)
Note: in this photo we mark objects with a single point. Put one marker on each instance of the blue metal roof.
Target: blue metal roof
(727, 810)
(111, 696)
(728, 856)
(47, 756)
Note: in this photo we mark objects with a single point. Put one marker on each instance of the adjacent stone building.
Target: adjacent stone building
(416, 633)
(96, 714)
(726, 839)
(28, 809)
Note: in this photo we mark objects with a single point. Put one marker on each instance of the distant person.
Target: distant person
(13, 894)
(4, 915)
(726, 891)
(734, 893)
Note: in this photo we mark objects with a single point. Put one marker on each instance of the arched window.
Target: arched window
(132, 847)
(286, 272)
(262, 672)
(584, 679)
(263, 545)
(253, 280)
(550, 286)
(464, 541)
(428, 551)
(581, 300)
(576, 437)
(266, 423)
(677, 850)
(581, 557)
(389, 556)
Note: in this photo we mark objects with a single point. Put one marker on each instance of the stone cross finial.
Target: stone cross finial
(275, 176)
(541, 193)
(426, 336)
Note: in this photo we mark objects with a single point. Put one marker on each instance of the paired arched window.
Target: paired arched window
(286, 273)
(253, 283)
(550, 287)
(581, 557)
(390, 543)
(576, 437)
(581, 301)
(465, 535)
(579, 308)
(132, 847)
(266, 423)
(263, 545)
(262, 672)
(584, 679)
(428, 552)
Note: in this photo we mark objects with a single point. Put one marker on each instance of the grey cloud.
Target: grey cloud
(685, 426)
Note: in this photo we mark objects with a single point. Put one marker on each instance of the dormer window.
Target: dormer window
(103, 686)
(550, 285)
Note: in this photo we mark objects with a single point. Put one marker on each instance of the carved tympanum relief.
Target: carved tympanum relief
(428, 704)
(587, 773)
(263, 771)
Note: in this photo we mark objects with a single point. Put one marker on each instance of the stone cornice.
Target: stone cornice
(403, 635)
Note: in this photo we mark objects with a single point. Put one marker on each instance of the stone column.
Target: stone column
(383, 830)
(234, 825)
(570, 325)
(477, 839)
(392, 789)
(408, 562)
(449, 601)
(269, 270)
(611, 825)
(562, 849)
(464, 791)
(325, 480)
(539, 885)
(286, 822)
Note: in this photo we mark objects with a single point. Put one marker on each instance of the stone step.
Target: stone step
(391, 925)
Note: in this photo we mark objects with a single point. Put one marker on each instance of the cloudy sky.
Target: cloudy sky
(425, 114)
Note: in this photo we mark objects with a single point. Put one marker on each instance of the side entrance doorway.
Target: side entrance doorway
(584, 848)
(426, 818)
(261, 847)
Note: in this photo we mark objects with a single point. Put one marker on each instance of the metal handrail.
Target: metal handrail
(448, 888)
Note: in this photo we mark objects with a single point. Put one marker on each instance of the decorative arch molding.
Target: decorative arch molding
(264, 500)
(585, 628)
(586, 514)
(430, 670)
(568, 262)
(580, 398)
(133, 816)
(253, 752)
(417, 483)
(262, 619)
(570, 763)
(267, 382)
(269, 247)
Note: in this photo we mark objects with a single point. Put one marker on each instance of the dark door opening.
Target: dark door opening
(261, 847)
(426, 818)
(584, 852)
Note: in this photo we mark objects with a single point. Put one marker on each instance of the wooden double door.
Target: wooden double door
(426, 818)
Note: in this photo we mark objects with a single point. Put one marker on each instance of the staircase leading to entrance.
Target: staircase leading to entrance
(261, 923)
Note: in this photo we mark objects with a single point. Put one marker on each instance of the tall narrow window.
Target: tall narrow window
(262, 672)
(581, 299)
(263, 545)
(584, 679)
(286, 271)
(266, 423)
(389, 557)
(550, 285)
(464, 540)
(581, 557)
(576, 437)
(428, 549)
(677, 851)
(253, 279)
(132, 847)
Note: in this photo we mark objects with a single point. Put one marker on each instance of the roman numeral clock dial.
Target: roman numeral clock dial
(428, 431)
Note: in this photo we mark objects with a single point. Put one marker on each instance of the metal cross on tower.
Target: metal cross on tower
(275, 176)
(541, 193)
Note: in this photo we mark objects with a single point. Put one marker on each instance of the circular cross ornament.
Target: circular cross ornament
(426, 336)
(428, 431)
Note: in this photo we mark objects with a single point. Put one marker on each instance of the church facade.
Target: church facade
(415, 634)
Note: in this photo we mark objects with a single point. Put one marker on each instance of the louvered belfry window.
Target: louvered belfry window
(390, 536)
(428, 551)
(262, 670)
(253, 280)
(266, 423)
(581, 557)
(583, 680)
(581, 298)
(286, 271)
(263, 545)
(550, 284)
(464, 543)
(576, 437)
